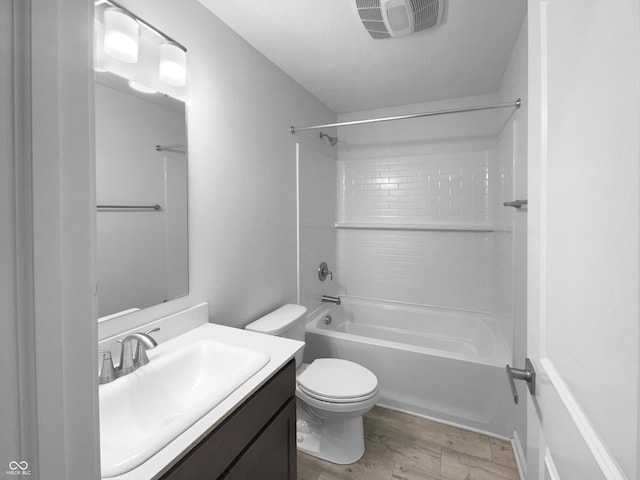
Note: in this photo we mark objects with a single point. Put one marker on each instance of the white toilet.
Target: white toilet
(332, 394)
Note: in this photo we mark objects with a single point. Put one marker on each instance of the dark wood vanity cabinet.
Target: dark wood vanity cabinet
(257, 441)
(270, 456)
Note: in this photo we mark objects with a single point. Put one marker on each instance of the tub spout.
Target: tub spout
(330, 299)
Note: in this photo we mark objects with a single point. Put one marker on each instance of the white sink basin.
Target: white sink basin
(142, 412)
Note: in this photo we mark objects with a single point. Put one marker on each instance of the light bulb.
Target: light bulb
(173, 64)
(121, 34)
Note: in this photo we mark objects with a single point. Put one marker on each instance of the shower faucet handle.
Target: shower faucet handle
(324, 272)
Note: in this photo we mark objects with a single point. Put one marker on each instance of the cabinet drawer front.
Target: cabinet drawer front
(217, 451)
(272, 456)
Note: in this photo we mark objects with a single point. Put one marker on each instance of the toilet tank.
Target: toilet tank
(287, 321)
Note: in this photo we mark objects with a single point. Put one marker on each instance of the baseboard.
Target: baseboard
(521, 458)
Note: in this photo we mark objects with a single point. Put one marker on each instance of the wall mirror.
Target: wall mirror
(141, 175)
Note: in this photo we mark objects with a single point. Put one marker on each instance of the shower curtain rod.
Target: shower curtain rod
(128, 208)
(515, 104)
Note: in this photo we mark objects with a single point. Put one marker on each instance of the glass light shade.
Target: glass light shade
(173, 64)
(140, 87)
(121, 35)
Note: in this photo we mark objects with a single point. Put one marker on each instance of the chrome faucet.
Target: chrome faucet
(330, 299)
(129, 361)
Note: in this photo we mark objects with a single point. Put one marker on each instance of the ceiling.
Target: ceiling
(323, 46)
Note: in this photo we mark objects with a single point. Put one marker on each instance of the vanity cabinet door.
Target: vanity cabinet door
(267, 413)
(269, 457)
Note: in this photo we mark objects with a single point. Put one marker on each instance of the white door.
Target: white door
(583, 260)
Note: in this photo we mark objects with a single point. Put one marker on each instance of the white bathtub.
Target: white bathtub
(444, 364)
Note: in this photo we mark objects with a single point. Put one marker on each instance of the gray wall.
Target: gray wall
(11, 438)
(317, 217)
(242, 218)
(242, 169)
(514, 134)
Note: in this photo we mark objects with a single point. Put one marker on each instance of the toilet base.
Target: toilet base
(340, 442)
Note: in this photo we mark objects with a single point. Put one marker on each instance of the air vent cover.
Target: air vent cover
(396, 18)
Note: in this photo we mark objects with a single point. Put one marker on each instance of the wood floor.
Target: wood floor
(403, 447)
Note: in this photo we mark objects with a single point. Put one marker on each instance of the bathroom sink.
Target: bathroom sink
(145, 410)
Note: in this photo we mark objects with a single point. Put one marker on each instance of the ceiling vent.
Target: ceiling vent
(397, 18)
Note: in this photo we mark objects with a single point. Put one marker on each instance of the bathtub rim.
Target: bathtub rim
(503, 353)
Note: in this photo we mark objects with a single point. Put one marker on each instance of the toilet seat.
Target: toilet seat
(335, 380)
(324, 398)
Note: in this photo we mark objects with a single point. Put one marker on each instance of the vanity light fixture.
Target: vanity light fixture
(173, 64)
(121, 35)
(140, 87)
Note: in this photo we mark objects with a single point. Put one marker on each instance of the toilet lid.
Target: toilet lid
(333, 378)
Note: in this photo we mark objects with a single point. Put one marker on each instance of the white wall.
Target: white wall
(445, 133)
(242, 169)
(13, 439)
(133, 246)
(443, 269)
(317, 216)
(512, 153)
(501, 181)
(437, 170)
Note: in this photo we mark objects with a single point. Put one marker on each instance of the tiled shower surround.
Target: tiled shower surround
(445, 269)
(437, 188)
(455, 269)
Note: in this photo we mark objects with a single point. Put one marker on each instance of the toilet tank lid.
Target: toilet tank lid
(279, 320)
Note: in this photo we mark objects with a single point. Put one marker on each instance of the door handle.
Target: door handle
(516, 204)
(528, 374)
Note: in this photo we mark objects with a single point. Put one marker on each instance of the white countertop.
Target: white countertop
(279, 350)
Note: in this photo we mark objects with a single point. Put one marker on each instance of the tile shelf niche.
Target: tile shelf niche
(445, 227)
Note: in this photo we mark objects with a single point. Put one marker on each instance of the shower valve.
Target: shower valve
(324, 272)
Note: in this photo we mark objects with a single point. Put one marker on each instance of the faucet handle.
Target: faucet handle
(107, 370)
(126, 357)
(324, 272)
(141, 358)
